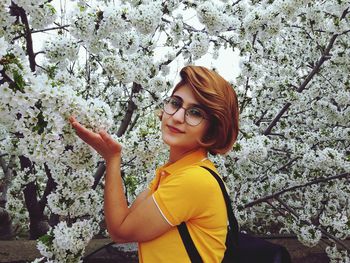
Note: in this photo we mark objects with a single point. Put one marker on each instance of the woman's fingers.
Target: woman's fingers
(71, 119)
(107, 138)
(85, 134)
(102, 142)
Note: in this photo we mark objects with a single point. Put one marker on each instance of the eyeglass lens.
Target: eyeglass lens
(193, 115)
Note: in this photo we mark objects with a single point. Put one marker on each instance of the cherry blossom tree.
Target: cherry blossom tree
(108, 64)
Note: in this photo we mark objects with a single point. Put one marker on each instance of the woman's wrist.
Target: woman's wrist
(114, 158)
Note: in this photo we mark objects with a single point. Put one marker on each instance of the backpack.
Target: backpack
(240, 247)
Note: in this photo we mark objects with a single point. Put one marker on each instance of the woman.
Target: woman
(200, 117)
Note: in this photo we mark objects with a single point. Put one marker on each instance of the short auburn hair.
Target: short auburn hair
(220, 102)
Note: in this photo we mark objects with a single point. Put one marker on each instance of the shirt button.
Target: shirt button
(162, 173)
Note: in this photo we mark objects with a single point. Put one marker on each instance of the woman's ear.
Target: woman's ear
(209, 138)
(159, 114)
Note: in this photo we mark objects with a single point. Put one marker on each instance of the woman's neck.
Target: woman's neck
(177, 154)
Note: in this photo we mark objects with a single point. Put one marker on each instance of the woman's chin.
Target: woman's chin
(169, 141)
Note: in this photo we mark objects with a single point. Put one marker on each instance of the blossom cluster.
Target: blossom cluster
(66, 243)
(45, 111)
(214, 18)
(35, 110)
(336, 255)
(199, 45)
(147, 17)
(59, 49)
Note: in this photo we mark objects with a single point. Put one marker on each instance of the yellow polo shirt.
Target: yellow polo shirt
(184, 191)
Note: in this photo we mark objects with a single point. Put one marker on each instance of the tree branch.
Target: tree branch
(284, 214)
(99, 174)
(346, 11)
(325, 56)
(50, 186)
(169, 60)
(6, 78)
(27, 34)
(130, 110)
(316, 181)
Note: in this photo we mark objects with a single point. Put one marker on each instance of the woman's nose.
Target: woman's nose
(179, 115)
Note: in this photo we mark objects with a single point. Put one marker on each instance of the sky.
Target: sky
(227, 64)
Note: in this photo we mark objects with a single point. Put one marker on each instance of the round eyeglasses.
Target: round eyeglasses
(193, 115)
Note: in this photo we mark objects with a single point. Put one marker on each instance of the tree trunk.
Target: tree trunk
(5, 225)
(5, 219)
(38, 225)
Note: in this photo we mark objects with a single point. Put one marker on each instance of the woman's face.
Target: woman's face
(175, 131)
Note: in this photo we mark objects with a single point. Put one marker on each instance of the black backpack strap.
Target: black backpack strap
(189, 245)
(233, 224)
(232, 229)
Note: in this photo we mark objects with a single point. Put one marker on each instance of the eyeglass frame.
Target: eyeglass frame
(167, 100)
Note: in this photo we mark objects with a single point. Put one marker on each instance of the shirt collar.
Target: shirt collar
(188, 159)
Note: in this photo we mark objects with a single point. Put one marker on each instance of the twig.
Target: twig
(171, 60)
(287, 164)
(246, 98)
(99, 174)
(257, 123)
(49, 29)
(327, 242)
(330, 236)
(41, 31)
(6, 78)
(279, 169)
(3, 154)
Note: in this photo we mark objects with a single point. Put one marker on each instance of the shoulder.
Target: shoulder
(196, 177)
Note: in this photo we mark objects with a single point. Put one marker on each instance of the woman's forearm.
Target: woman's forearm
(115, 204)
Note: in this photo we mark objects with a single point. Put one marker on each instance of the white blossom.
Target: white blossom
(100, 56)
(58, 50)
(146, 17)
(199, 45)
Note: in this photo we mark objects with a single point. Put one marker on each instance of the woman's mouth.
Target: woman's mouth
(174, 130)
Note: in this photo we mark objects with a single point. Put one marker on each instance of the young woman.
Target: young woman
(200, 117)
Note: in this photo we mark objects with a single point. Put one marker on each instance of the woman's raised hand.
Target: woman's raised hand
(102, 142)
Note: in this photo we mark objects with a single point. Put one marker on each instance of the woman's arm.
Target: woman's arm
(142, 221)
(141, 197)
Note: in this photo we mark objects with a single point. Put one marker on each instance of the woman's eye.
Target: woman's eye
(195, 112)
(176, 103)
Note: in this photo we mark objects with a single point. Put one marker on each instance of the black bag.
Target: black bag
(240, 247)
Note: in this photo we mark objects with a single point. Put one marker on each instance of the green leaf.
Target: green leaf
(237, 147)
(46, 239)
(19, 82)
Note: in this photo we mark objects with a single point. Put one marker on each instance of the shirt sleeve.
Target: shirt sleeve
(154, 183)
(184, 196)
(151, 184)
